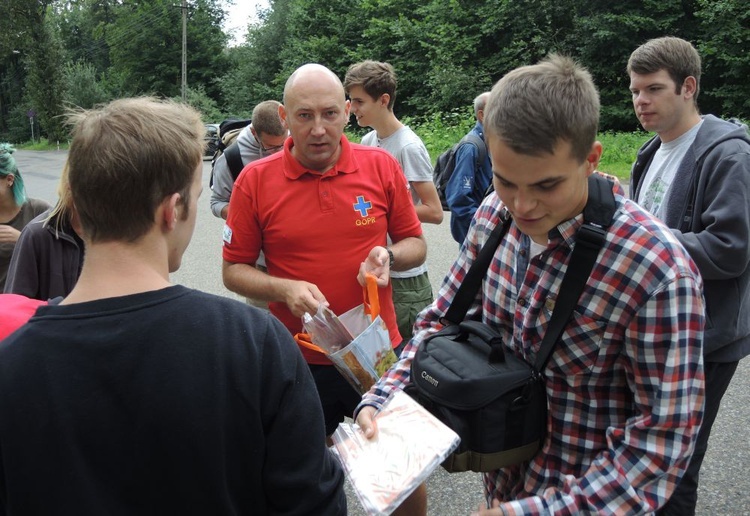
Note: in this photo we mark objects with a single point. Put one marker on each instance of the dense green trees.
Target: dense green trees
(447, 51)
(725, 46)
(54, 52)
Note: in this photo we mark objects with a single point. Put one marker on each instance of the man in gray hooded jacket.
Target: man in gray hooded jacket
(695, 176)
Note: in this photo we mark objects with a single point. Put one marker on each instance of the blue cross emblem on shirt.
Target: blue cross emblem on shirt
(362, 206)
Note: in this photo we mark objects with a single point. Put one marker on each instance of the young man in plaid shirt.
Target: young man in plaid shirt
(625, 380)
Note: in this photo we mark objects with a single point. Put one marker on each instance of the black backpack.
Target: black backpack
(229, 130)
(446, 163)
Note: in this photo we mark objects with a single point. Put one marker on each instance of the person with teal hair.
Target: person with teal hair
(16, 210)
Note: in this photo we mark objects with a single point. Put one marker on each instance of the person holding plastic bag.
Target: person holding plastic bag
(320, 211)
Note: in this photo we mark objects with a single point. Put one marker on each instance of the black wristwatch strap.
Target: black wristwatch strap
(391, 260)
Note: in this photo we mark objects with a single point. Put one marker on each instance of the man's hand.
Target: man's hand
(377, 263)
(8, 235)
(301, 297)
(367, 423)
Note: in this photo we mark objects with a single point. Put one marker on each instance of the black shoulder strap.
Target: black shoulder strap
(234, 160)
(479, 144)
(598, 213)
(469, 287)
(600, 206)
(597, 216)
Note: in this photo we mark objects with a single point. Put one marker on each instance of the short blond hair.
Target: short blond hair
(61, 214)
(125, 158)
(266, 119)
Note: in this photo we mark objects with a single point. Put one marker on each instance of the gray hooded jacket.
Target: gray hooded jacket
(223, 180)
(709, 212)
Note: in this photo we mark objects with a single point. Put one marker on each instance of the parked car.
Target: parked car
(212, 139)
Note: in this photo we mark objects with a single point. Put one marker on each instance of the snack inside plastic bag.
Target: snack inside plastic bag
(410, 445)
(326, 330)
(357, 342)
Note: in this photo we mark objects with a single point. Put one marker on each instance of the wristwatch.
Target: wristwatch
(391, 260)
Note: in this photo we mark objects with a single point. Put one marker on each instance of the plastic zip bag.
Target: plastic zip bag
(366, 356)
(410, 445)
(326, 330)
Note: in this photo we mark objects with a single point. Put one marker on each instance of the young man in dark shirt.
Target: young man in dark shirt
(136, 396)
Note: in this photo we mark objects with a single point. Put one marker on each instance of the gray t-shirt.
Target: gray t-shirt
(412, 155)
(654, 194)
(409, 151)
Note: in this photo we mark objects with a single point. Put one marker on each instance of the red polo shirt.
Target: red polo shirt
(320, 227)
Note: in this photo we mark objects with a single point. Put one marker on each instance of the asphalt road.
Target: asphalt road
(725, 482)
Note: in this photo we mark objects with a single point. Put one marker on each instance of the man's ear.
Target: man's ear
(384, 100)
(689, 86)
(170, 209)
(592, 160)
(282, 114)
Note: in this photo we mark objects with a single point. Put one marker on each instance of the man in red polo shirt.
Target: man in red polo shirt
(320, 211)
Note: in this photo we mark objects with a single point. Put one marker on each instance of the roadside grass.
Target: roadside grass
(42, 145)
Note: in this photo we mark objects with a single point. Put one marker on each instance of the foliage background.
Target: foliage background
(56, 53)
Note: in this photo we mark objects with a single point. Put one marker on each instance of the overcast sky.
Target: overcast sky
(238, 16)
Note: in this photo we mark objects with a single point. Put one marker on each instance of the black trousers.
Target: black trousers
(685, 497)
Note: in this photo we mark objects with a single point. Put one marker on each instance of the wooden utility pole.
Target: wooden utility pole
(184, 50)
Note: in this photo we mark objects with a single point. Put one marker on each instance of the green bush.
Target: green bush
(441, 131)
(619, 151)
(82, 86)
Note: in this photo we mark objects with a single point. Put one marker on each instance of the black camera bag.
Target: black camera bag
(505, 393)
(495, 401)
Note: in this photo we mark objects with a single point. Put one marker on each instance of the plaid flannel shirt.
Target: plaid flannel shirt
(624, 382)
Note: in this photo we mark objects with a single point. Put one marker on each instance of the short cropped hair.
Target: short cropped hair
(266, 119)
(533, 108)
(375, 77)
(480, 102)
(674, 55)
(125, 158)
